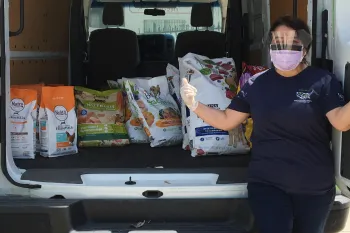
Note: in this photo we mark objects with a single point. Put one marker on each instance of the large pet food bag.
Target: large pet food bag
(132, 123)
(212, 79)
(249, 74)
(23, 115)
(100, 118)
(221, 67)
(152, 103)
(173, 77)
(248, 71)
(58, 122)
(37, 87)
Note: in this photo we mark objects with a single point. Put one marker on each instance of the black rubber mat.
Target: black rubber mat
(134, 156)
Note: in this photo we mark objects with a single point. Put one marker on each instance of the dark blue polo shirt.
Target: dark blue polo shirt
(291, 134)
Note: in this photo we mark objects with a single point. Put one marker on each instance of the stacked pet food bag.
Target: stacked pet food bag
(54, 120)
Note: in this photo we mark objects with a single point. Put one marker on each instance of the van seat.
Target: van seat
(156, 51)
(207, 43)
(114, 52)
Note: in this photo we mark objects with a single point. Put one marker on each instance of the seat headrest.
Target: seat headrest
(113, 14)
(201, 15)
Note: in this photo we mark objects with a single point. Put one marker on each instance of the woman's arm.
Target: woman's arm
(225, 120)
(340, 118)
(335, 108)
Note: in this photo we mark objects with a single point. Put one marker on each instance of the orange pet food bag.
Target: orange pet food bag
(58, 121)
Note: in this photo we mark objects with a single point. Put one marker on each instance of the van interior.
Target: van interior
(110, 40)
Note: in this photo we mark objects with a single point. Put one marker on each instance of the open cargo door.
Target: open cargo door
(338, 41)
(343, 170)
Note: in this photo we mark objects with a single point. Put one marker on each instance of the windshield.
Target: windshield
(177, 18)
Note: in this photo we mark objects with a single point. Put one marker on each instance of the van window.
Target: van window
(177, 18)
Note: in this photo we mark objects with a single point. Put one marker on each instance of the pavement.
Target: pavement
(347, 227)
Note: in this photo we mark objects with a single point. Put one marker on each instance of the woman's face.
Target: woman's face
(287, 38)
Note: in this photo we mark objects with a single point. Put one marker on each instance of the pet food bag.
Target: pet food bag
(222, 67)
(248, 71)
(173, 77)
(37, 87)
(23, 115)
(214, 80)
(249, 74)
(132, 123)
(58, 122)
(151, 101)
(100, 118)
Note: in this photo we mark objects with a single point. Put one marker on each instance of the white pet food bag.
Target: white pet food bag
(23, 114)
(132, 123)
(37, 87)
(212, 79)
(58, 121)
(185, 112)
(152, 103)
(173, 77)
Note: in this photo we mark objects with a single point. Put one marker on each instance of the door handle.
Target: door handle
(21, 20)
(152, 194)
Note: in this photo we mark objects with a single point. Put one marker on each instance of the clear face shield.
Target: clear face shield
(287, 48)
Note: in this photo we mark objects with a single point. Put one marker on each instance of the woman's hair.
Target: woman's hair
(293, 23)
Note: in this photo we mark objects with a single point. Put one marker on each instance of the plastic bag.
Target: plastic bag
(100, 118)
(152, 103)
(214, 80)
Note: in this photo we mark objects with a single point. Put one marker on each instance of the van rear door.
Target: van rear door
(339, 52)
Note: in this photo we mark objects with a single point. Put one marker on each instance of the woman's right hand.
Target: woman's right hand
(225, 120)
(188, 94)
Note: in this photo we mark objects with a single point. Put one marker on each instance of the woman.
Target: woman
(291, 185)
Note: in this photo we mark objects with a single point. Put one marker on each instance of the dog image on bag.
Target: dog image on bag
(58, 121)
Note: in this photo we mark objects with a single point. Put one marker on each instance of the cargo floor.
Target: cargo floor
(134, 156)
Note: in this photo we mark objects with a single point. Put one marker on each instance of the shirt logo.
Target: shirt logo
(304, 96)
(341, 96)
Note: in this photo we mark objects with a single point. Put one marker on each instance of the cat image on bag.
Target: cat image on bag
(70, 138)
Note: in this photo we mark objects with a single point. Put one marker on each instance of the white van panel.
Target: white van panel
(340, 55)
(146, 180)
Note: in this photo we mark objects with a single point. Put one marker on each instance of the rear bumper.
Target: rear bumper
(180, 215)
(19, 215)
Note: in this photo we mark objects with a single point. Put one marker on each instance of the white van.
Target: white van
(139, 188)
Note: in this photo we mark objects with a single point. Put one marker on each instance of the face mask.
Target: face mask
(286, 60)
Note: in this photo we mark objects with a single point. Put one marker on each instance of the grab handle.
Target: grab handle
(21, 20)
(152, 194)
